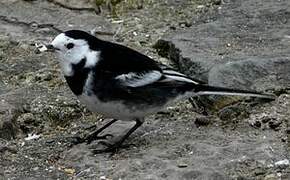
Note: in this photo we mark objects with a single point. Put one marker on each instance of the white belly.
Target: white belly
(114, 109)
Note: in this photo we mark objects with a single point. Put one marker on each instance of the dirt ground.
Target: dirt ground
(40, 117)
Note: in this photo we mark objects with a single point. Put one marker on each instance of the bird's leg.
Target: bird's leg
(115, 146)
(95, 135)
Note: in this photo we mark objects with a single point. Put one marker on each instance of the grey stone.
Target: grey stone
(236, 45)
(32, 20)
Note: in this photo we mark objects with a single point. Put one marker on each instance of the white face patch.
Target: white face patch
(74, 55)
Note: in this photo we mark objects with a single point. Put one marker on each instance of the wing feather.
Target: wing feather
(173, 75)
(134, 79)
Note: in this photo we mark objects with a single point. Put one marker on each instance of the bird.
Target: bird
(123, 84)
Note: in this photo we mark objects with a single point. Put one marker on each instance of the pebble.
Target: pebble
(202, 121)
(31, 137)
(274, 124)
(40, 47)
(200, 6)
(69, 171)
(282, 163)
(182, 165)
(270, 177)
(256, 124)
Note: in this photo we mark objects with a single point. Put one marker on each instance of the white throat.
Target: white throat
(73, 57)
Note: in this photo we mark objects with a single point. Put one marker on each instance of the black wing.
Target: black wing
(117, 60)
(130, 66)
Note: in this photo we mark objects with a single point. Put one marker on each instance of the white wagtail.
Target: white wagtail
(122, 83)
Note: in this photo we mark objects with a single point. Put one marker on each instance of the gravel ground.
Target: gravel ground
(39, 116)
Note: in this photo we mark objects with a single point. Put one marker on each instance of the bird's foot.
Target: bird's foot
(109, 147)
(90, 138)
(93, 137)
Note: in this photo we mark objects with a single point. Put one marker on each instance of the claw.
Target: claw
(90, 138)
(76, 140)
(112, 148)
(95, 135)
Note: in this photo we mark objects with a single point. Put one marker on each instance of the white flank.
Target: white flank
(137, 80)
(178, 78)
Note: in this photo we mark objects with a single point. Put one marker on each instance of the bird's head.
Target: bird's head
(73, 47)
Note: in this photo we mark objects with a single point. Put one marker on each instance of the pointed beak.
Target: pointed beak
(45, 48)
(51, 48)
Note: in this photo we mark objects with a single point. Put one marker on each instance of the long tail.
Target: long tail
(212, 90)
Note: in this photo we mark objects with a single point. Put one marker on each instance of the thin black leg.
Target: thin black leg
(95, 134)
(115, 146)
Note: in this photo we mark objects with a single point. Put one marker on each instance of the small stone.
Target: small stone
(217, 2)
(185, 24)
(27, 122)
(229, 113)
(31, 137)
(69, 171)
(35, 168)
(200, 6)
(50, 141)
(270, 177)
(8, 149)
(202, 121)
(256, 124)
(274, 124)
(283, 163)
(265, 119)
(182, 165)
(26, 118)
(284, 139)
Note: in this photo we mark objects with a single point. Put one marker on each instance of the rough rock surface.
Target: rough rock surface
(44, 19)
(40, 118)
(241, 44)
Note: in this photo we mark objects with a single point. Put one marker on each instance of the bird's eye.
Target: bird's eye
(70, 45)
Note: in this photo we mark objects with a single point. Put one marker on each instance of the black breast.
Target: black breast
(77, 81)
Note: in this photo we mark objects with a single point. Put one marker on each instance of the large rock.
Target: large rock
(31, 20)
(236, 45)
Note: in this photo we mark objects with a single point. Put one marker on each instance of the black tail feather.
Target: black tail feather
(212, 90)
